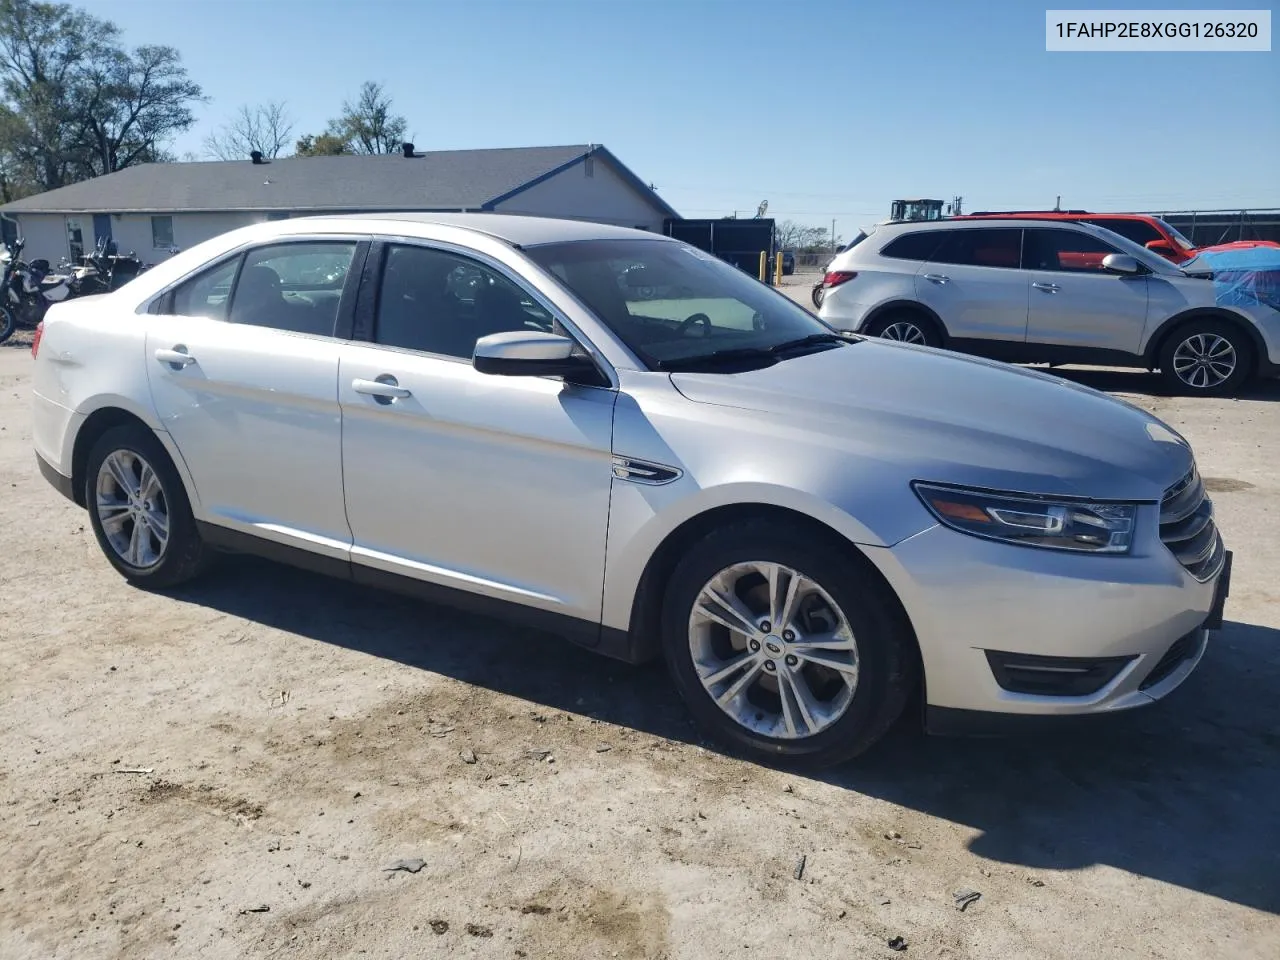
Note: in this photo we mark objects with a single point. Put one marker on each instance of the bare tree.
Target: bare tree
(266, 127)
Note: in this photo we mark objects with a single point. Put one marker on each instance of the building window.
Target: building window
(162, 232)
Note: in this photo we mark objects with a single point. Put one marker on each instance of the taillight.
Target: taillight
(35, 341)
(834, 278)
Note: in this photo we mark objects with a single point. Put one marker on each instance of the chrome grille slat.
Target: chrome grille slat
(1188, 529)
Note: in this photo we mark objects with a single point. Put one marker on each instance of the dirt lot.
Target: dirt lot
(229, 771)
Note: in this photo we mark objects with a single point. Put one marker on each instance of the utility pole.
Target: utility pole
(1057, 204)
(833, 235)
(957, 206)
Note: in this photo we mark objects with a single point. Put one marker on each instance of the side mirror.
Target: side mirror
(1121, 263)
(1162, 247)
(534, 354)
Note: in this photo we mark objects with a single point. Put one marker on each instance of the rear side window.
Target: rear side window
(1139, 231)
(293, 286)
(207, 294)
(984, 247)
(913, 246)
(1049, 249)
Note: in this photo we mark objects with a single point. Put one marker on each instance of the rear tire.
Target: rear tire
(842, 709)
(906, 326)
(818, 292)
(8, 324)
(1207, 358)
(139, 510)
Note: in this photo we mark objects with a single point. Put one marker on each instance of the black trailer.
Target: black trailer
(739, 242)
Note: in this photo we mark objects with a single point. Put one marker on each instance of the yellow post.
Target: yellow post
(764, 265)
(777, 270)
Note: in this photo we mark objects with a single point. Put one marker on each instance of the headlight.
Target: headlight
(1032, 521)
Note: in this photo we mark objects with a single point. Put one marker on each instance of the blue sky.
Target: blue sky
(826, 108)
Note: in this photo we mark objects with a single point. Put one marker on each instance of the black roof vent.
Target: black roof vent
(256, 156)
(407, 149)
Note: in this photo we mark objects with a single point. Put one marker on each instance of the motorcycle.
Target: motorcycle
(27, 290)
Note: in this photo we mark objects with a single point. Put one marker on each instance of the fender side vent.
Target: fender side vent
(642, 471)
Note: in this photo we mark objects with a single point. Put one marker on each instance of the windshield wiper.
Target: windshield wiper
(739, 355)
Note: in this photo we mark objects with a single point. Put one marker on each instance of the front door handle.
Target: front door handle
(176, 357)
(384, 389)
(937, 278)
(1047, 287)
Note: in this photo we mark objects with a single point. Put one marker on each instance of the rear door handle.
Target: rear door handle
(1047, 287)
(384, 389)
(175, 357)
(937, 278)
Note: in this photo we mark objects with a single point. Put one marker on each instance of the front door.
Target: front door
(972, 282)
(463, 479)
(243, 364)
(1074, 302)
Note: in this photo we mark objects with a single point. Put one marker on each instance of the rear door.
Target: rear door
(1074, 302)
(243, 365)
(974, 284)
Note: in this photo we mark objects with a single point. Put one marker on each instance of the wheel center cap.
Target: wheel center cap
(773, 647)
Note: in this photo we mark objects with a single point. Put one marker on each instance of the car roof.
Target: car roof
(1072, 215)
(520, 231)
(966, 223)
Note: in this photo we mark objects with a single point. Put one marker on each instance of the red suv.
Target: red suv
(1147, 231)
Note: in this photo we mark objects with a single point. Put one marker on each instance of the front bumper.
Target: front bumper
(967, 597)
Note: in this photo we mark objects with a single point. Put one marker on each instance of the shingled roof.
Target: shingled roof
(435, 180)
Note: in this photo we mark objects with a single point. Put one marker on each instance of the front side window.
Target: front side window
(980, 247)
(162, 232)
(1139, 231)
(675, 306)
(439, 302)
(206, 294)
(1049, 249)
(292, 286)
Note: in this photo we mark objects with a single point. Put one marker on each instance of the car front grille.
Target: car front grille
(1188, 530)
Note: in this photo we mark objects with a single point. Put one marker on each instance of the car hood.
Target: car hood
(944, 417)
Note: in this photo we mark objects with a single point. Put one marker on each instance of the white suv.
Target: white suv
(1049, 292)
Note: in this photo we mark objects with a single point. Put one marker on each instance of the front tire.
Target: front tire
(139, 510)
(1207, 358)
(8, 324)
(786, 646)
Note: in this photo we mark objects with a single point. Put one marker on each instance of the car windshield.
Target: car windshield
(677, 307)
(1182, 241)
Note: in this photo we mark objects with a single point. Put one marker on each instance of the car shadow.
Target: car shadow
(1143, 383)
(1185, 792)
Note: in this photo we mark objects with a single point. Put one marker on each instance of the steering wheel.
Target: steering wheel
(692, 322)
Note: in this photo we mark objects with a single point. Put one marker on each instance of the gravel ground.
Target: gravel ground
(229, 771)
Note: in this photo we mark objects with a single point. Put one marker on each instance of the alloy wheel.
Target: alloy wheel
(1204, 361)
(903, 330)
(773, 650)
(132, 509)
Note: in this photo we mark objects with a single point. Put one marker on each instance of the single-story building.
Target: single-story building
(157, 208)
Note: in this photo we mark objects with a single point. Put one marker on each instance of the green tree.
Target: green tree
(76, 102)
(320, 145)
